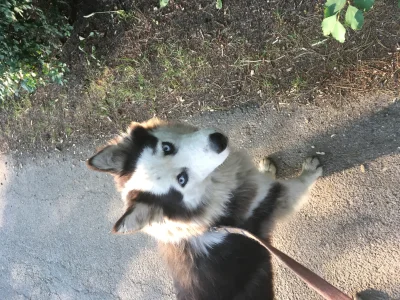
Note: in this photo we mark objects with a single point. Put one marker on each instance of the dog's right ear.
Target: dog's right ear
(134, 219)
(110, 159)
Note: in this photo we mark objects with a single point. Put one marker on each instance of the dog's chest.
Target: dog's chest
(174, 231)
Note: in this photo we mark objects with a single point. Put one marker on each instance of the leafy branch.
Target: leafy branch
(354, 17)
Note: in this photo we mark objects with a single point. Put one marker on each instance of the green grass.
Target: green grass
(172, 71)
(298, 84)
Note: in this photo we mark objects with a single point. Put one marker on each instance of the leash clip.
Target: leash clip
(213, 229)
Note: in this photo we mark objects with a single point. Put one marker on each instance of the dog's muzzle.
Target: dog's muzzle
(218, 142)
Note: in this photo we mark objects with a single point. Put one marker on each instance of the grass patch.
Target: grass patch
(190, 57)
(163, 71)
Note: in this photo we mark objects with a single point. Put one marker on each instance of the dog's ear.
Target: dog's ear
(135, 218)
(110, 159)
(113, 158)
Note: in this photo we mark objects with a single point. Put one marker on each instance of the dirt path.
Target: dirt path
(56, 216)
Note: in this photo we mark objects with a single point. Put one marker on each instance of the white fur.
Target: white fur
(202, 243)
(158, 173)
(264, 184)
(172, 231)
(212, 178)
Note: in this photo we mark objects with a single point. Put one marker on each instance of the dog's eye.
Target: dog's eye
(183, 178)
(168, 148)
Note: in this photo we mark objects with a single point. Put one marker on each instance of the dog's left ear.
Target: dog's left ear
(111, 159)
(135, 218)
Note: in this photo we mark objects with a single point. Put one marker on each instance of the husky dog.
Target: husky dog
(178, 181)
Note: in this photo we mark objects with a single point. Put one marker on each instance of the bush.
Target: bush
(30, 42)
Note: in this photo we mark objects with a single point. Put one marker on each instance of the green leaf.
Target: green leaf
(163, 3)
(218, 5)
(339, 32)
(333, 6)
(328, 24)
(398, 4)
(364, 5)
(354, 18)
(332, 26)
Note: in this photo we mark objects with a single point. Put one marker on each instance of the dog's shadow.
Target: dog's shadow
(372, 294)
(354, 144)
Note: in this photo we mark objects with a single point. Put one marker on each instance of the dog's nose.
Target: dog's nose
(218, 142)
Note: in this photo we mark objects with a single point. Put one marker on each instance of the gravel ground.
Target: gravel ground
(56, 216)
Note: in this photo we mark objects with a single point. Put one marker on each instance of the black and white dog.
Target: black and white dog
(178, 181)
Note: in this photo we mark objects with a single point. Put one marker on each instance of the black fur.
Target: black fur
(140, 139)
(264, 211)
(218, 142)
(235, 210)
(121, 157)
(171, 204)
(238, 268)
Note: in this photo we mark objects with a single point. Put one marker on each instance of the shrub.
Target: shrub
(30, 42)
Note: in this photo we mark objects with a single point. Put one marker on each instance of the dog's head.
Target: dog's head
(161, 170)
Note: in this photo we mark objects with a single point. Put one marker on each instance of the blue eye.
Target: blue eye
(183, 178)
(168, 148)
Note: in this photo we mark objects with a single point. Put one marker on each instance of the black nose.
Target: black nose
(218, 142)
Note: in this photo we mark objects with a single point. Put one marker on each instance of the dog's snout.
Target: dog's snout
(218, 142)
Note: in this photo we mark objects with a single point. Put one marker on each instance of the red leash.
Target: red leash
(320, 285)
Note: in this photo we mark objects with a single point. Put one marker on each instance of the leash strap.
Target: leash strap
(321, 286)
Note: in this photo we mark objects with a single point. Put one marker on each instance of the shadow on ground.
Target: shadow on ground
(355, 142)
(373, 295)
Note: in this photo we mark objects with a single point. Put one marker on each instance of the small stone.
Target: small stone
(362, 169)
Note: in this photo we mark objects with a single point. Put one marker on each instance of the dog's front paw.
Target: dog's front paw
(266, 166)
(312, 166)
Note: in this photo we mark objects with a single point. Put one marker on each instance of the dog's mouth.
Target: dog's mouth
(218, 142)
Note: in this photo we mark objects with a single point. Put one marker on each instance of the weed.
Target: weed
(218, 3)
(298, 84)
(279, 17)
(89, 51)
